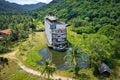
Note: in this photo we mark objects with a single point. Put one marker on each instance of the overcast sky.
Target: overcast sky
(28, 1)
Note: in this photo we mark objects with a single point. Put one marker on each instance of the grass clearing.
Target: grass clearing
(31, 55)
(12, 72)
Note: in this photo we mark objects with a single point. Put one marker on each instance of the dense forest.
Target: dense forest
(19, 23)
(97, 22)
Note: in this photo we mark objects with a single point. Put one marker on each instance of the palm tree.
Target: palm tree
(49, 69)
(72, 56)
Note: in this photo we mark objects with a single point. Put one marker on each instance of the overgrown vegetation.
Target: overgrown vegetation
(20, 24)
(94, 27)
(29, 50)
(96, 23)
(13, 72)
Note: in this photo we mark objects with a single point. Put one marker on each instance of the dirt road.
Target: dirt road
(12, 55)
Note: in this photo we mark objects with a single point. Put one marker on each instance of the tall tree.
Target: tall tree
(49, 68)
(72, 56)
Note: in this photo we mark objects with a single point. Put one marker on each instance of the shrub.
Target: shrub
(3, 49)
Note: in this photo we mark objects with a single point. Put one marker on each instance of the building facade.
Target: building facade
(56, 33)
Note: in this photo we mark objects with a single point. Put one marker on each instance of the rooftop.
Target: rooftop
(53, 20)
(6, 31)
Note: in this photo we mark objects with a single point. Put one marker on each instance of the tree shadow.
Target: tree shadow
(5, 51)
(3, 61)
(82, 76)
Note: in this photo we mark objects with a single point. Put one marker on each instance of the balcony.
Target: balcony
(62, 42)
(59, 36)
(58, 39)
(60, 47)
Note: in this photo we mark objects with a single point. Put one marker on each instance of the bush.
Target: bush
(84, 29)
(3, 49)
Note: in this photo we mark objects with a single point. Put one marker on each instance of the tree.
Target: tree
(73, 55)
(3, 62)
(98, 48)
(49, 68)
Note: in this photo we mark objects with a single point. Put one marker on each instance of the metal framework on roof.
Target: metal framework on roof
(52, 18)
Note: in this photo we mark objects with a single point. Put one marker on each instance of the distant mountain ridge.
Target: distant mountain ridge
(6, 6)
(30, 7)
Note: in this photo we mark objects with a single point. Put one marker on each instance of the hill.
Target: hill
(96, 22)
(86, 16)
(6, 6)
(30, 7)
(96, 11)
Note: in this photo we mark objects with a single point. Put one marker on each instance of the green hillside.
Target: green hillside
(96, 22)
(84, 13)
(86, 16)
(95, 12)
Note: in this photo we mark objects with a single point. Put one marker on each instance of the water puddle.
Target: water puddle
(58, 59)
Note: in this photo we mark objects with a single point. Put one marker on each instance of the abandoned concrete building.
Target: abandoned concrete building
(55, 31)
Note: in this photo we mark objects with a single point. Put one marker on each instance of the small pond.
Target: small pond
(58, 59)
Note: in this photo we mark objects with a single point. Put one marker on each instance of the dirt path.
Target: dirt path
(34, 72)
(10, 55)
(29, 70)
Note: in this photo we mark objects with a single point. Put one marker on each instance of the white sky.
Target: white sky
(28, 1)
